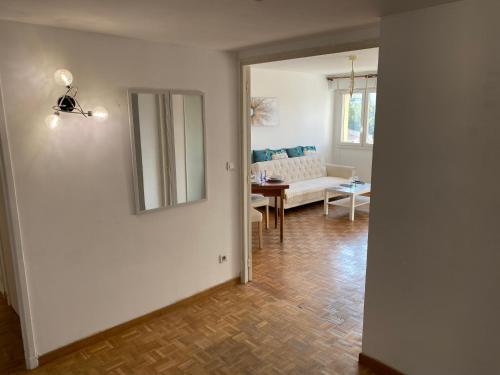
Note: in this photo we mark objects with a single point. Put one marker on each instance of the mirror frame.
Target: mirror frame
(166, 118)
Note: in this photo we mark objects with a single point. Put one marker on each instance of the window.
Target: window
(352, 122)
(357, 122)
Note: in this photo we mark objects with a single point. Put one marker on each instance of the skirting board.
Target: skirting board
(377, 366)
(103, 335)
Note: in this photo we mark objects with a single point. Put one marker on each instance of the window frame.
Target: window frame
(363, 144)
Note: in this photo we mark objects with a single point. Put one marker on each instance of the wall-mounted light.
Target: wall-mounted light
(68, 102)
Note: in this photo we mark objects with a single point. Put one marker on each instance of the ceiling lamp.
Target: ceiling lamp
(352, 58)
(68, 103)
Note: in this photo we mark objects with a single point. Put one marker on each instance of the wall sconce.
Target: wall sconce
(68, 102)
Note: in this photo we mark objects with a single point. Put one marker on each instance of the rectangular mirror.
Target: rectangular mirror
(168, 133)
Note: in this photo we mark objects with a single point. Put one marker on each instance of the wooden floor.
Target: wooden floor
(11, 345)
(302, 314)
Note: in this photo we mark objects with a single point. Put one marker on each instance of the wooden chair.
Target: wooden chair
(256, 217)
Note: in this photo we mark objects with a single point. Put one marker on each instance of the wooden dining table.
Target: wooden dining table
(276, 190)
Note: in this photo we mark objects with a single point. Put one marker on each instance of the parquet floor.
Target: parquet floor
(11, 345)
(302, 314)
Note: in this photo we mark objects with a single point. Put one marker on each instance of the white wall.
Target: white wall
(433, 277)
(358, 157)
(91, 263)
(304, 107)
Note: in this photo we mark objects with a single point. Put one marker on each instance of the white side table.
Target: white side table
(354, 197)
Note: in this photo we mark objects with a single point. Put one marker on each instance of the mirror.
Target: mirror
(168, 133)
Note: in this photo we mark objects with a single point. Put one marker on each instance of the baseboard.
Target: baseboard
(31, 363)
(103, 335)
(376, 366)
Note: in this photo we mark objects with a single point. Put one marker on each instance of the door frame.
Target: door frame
(245, 130)
(3, 271)
(14, 229)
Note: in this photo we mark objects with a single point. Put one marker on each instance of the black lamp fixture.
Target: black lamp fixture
(68, 103)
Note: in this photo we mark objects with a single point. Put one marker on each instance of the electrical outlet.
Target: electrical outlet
(222, 258)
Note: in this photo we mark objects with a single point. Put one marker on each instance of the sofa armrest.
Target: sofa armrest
(343, 171)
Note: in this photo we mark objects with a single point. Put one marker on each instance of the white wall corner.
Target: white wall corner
(14, 228)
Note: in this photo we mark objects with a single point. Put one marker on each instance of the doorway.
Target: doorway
(323, 130)
(341, 132)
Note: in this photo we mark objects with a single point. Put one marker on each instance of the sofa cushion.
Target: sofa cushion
(310, 190)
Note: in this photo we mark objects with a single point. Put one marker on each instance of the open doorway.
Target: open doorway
(310, 133)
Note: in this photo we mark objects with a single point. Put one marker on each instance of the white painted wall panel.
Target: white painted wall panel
(432, 284)
(92, 263)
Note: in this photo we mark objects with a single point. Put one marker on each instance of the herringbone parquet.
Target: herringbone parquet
(302, 314)
(11, 344)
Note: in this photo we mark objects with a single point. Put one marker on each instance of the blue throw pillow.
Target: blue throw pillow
(308, 148)
(261, 155)
(295, 152)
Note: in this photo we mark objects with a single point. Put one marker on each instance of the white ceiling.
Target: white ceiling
(215, 24)
(334, 64)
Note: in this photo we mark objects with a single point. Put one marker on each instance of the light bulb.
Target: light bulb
(100, 113)
(63, 77)
(53, 120)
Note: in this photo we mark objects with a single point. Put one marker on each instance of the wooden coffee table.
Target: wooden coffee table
(355, 197)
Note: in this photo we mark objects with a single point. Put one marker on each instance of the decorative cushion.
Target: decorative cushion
(309, 150)
(295, 152)
(261, 155)
(277, 151)
(279, 155)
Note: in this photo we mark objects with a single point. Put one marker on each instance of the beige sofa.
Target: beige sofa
(308, 177)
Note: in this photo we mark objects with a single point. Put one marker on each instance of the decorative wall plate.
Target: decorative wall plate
(264, 111)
